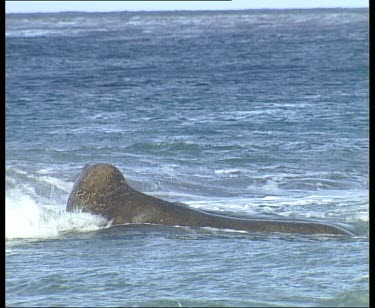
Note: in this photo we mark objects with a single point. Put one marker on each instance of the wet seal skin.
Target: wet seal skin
(102, 189)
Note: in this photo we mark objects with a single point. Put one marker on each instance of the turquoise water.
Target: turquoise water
(250, 113)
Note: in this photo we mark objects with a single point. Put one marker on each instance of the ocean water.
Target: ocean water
(248, 113)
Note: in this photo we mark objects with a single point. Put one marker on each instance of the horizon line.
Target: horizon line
(190, 10)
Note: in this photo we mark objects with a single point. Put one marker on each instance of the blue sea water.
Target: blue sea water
(260, 113)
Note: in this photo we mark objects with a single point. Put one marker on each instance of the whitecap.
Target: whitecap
(60, 184)
(26, 218)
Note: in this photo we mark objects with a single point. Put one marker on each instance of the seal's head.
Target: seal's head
(94, 187)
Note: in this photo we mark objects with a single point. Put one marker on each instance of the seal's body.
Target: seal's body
(102, 189)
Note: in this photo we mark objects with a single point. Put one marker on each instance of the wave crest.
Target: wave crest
(26, 218)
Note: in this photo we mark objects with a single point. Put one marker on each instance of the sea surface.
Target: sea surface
(259, 113)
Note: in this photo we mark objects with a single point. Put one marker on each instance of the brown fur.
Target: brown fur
(102, 189)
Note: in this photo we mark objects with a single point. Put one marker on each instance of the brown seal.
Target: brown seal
(102, 189)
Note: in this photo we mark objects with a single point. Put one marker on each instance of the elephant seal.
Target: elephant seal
(102, 189)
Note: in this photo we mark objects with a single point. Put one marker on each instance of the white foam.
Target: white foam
(273, 198)
(57, 183)
(227, 171)
(339, 206)
(25, 218)
(237, 205)
(215, 230)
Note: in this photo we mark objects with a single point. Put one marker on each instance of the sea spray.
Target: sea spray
(26, 218)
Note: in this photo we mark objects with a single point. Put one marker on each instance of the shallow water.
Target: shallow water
(248, 113)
